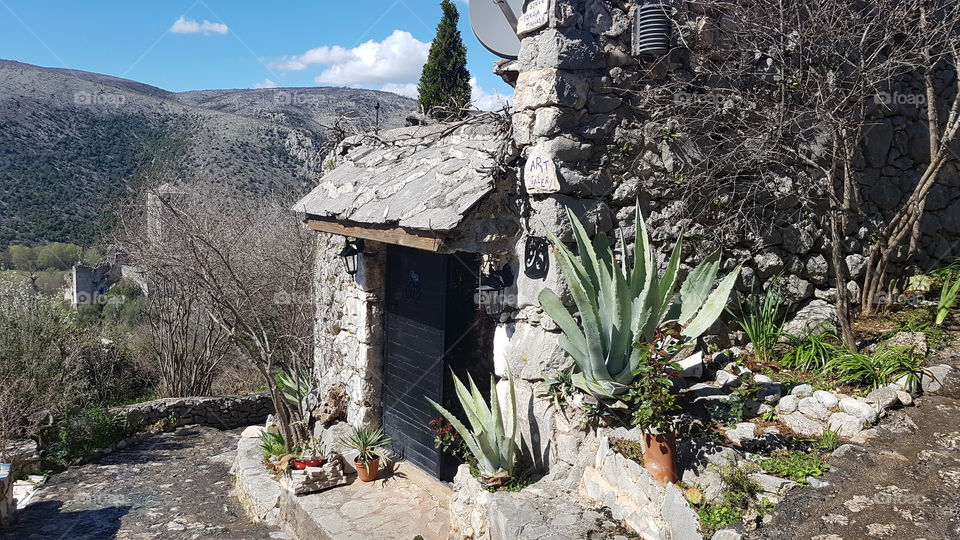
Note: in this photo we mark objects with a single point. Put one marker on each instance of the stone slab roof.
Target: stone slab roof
(423, 177)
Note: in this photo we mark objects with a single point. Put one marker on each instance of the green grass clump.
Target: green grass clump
(795, 465)
(878, 368)
(812, 352)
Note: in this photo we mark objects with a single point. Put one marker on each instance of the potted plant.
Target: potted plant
(369, 443)
(653, 403)
(311, 455)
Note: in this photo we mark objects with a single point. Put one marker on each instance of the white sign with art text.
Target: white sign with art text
(540, 173)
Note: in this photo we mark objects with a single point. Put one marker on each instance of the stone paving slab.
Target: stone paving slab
(399, 504)
(168, 486)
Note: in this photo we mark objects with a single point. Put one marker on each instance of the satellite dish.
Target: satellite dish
(495, 24)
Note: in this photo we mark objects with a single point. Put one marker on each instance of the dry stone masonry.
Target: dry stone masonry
(220, 412)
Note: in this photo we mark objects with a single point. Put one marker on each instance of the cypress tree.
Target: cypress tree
(445, 82)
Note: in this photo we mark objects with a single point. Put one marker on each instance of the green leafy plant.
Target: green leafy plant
(369, 443)
(948, 299)
(81, 433)
(714, 517)
(650, 397)
(293, 387)
(620, 304)
(762, 318)
(492, 439)
(739, 494)
(795, 465)
(829, 440)
(876, 369)
(812, 351)
(272, 444)
(448, 440)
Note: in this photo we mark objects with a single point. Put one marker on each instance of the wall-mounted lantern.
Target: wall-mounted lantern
(494, 280)
(351, 255)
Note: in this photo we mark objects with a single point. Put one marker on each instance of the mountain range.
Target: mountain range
(73, 143)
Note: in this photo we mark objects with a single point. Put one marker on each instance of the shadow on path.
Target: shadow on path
(57, 524)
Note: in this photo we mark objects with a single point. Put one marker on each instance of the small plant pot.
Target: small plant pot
(659, 456)
(367, 472)
(301, 464)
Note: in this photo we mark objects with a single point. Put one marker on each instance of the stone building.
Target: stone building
(443, 207)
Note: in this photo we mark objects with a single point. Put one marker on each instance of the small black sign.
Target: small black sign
(536, 257)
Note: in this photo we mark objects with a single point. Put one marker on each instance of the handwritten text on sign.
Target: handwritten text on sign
(540, 174)
(536, 16)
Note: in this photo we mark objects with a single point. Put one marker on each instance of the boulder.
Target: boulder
(812, 408)
(253, 432)
(743, 431)
(802, 424)
(861, 409)
(772, 484)
(884, 397)
(904, 398)
(846, 425)
(915, 341)
(725, 378)
(933, 382)
(787, 404)
(802, 391)
(826, 399)
(769, 392)
(816, 316)
(691, 367)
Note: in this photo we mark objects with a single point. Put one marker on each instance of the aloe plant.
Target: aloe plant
(948, 298)
(621, 304)
(492, 439)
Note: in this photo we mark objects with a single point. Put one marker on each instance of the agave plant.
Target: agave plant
(492, 439)
(293, 387)
(621, 304)
(948, 298)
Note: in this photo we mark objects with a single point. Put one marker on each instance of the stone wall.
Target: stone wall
(8, 506)
(578, 105)
(349, 327)
(220, 412)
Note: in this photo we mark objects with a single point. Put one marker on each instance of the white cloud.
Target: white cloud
(190, 26)
(407, 89)
(398, 59)
(392, 65)
(266, 83)
(487, 101)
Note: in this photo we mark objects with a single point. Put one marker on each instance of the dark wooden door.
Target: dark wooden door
(414, 352)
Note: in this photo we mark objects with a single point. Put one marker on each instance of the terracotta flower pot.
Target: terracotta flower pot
(367, 472)
(659, 451)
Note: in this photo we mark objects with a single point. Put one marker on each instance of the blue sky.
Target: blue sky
(205, 44)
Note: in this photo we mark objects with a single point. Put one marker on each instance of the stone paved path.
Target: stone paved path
(904, 485)
(172, 485)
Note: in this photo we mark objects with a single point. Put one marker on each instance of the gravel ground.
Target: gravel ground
(171, 485)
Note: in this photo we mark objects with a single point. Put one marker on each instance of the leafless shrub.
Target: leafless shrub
(245, 260)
